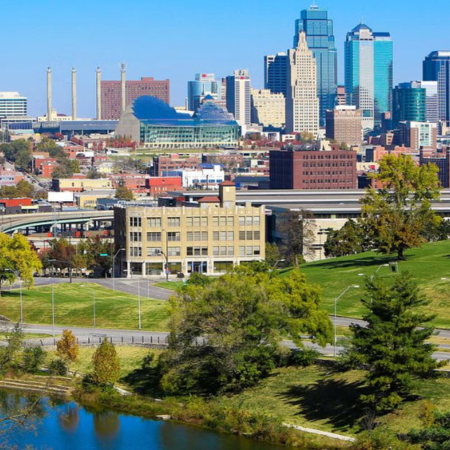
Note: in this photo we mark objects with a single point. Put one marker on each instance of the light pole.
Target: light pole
(139, 303)
(21, 301)
(114, 267)
(376, 271)
(53, 311)
(356, 286)
(275, 265)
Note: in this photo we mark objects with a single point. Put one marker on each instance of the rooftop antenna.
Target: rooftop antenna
(314, 5)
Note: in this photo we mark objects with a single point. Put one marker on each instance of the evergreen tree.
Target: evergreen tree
(393, 344)
(106, 364)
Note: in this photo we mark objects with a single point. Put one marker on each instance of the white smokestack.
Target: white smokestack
(49, 94)
(99, 93)
(123, 80)
(74, 94)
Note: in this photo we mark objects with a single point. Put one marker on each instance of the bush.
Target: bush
(303, 358)
(33, 357)
(58, 367)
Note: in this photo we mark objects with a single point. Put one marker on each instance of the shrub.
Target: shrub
(33, 357)
(58, 367)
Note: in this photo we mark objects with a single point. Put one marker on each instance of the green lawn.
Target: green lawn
(171, 285)
(317, 398)
(74, 307)
(427, 265)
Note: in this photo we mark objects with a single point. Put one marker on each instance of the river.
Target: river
(67, 426)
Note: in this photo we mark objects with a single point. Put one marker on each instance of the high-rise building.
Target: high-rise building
(368, 73)
(111, 94)
(409, 103)
(238, 96)
(417, 135)
(432, 108)
(436, 67)
(344, 125)
(12, 104)
(205, 84)
(302, 103)
(341, 99)
(275, 73)
(320, 39)
(268, 109)
(312, 169)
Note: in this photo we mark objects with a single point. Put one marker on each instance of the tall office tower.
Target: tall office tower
(319, 36)
(368, 73)
(12, 104)
(275, 73)
(341, 99)
(238, 96)
(302, 103)
(204, 85)
(344, 125)
(111, 94)
(409, 103)
(436, 67)
(432, 108)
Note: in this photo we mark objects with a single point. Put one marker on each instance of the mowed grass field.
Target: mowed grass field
(318, 398)
(428, 265)
(74, 306)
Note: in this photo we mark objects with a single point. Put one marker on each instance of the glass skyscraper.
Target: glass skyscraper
(205, 84)
(409, 103)
(318, 28)
(436, 67)
(369, 73)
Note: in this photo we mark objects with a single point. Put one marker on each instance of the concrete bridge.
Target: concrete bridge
(15, 222)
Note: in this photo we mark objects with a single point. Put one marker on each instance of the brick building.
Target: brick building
(172, 162)
(160, 185)
(313, 169)
(111, 94)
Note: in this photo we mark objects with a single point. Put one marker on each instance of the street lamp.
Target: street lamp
(356, 286)
(139, 298)
(382, 265)
(114, 267)
(21, 301)
(275, 265)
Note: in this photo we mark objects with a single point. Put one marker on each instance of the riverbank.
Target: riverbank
(213, 414)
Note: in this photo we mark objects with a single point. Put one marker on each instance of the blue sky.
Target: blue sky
(175, 39)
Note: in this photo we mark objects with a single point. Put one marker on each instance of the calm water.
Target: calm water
(68, 426)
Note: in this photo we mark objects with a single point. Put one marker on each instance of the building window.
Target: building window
(241, 250)
(242, 235)
(241, 221)
(136, 251)
(153, 251)
(256, 235)
(249, 235)
(173, 236)
(230, 235)
(256, 221)
(230, 221)
(216, 251)
(215, 221)
(135, 236)
(197, 251)
(230, 251)
(249, 220)
(135, 222)
(173, 221)
(154, 236)
(215, 235)
(204, 221)
(153, 222)
(174, 251)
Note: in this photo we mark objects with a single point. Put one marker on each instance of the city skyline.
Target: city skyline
(155, 42)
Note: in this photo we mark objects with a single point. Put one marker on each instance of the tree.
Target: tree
(62, 253)
(349, 240)
(17, 257)
(227, 335)
(106, 364)
(123, 193)
(67, 347)
(67, 167)
(18, 152)
(297, 228)
(21, 189)
(392, 345)
(436, 436)
(93, 174)
(10, 353)
(396, 215)
(92, 250)
(272, 253)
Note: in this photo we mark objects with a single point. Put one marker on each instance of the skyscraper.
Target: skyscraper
(302, 103)
(409, 102)
(12, 104)
(368, 73)
(111, 95)
(436, 67)
(205, 84)
(318, 28)
(275, 73)
(238, 96)
(432, 108)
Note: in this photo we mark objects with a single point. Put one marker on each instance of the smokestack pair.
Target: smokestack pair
(49, 94)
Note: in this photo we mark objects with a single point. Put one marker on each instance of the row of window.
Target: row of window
(327, 164)
(155, 222)
(327, 172)
(228, 250)
(175, 236)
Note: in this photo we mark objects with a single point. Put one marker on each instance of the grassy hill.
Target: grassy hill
(428, 265)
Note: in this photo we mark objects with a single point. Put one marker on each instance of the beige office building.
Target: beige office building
(302, 103)
(208, 237)
(268, 109)
(344, 125)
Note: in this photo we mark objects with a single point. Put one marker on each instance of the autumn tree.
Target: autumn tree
(297, 229)
(61, 254)
(106, 364)
(67, 347)
(393, 344)
(227, 335)
(396, 215)
(123, 193)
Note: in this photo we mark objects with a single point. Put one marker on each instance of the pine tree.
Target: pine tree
(392, 344)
